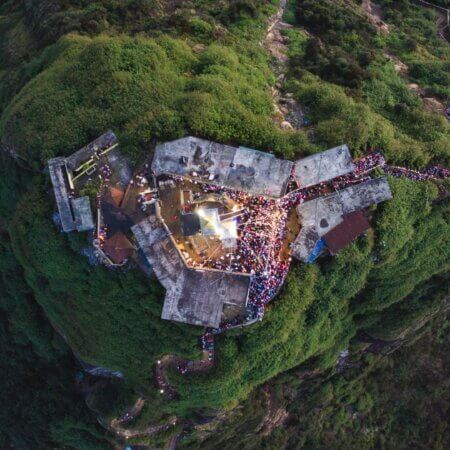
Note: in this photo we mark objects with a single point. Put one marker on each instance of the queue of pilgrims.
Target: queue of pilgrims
(376, 159)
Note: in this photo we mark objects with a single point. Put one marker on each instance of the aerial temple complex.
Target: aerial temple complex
(217, 225)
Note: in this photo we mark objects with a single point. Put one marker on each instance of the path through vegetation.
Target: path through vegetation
(288, 113)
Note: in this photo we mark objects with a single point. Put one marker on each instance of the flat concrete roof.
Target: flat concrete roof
(237, 168)
(56, 168)
(319, 216)
(83, 214)
(323, 166)
(199, 296)
(193, 296)
(159, 250)
(103, 142)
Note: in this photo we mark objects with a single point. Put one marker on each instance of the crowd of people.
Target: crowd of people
(376, 159)
(105, 173)
(432, 173)
(369, 163)
(101, 232)
(262, 231)
(161, 381)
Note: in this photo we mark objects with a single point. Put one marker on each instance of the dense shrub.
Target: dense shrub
(342, 46)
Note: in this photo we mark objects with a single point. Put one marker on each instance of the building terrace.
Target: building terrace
(237, 168)
(323, 214)
(192, 296)
(66, 174)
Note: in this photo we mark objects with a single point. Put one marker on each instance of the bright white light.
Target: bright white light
(228, 229)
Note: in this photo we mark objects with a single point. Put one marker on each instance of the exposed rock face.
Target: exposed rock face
(400, 66)
(285, 125)
(99, 371)
(432, 104)
(374, 13)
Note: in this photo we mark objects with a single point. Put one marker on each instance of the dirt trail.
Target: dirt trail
(151, 430)
(172, 445)
(116, 425)
(288, 113)
(275, 415)
(274, 41)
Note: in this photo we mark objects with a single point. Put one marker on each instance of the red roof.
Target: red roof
(114, 196)
(118, 248)
(353, 225)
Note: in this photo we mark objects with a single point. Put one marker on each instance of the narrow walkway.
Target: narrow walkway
(127, 433)
(289, 115)
(129, 414)
(116, 426)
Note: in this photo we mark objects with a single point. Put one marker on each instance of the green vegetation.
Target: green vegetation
(343, 45)
(393, 401)
(152, 71)
(38, 373)
(379, 109)
(147, 89)
(418, 45)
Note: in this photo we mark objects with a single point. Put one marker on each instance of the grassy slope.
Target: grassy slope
(396, 401)
(374, 104)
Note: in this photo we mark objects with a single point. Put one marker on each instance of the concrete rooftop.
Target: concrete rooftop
(323, 166)
(103, 142)
(192, 296)
(83, 214)
(237, 168)
(57, 168)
